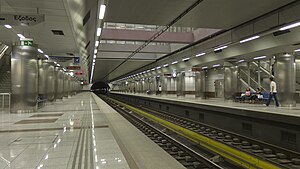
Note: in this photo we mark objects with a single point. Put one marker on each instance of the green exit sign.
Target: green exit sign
(26, 42)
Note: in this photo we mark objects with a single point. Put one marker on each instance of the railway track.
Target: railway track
(186, 156)
(243, 151)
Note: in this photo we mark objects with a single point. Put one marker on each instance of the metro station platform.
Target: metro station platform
(79, 132)
(278, 126)
(221, 103)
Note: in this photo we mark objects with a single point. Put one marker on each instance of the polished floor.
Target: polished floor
(287, 111)
(68, 134)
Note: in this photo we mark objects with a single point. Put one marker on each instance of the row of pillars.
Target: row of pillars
(285, 77)
(35, 80)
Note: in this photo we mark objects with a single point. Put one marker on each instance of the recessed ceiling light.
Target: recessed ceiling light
(249, 39)
(102, 11)
(297, 50)
(99, 30)
(217, 65)
(8, 26)
(175, 62)
(290, 26)
(40, 51)
(185, 59)
(220, 48)
(200, 54)
(97, 43)
(259, 57)
(21, 36)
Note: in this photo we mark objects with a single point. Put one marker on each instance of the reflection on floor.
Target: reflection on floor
(72, 133)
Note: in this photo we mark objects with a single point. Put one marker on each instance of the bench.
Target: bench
(41, 101)
(265, 97)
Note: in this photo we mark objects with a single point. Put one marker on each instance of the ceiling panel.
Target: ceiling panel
(218, 14)
(103, 67)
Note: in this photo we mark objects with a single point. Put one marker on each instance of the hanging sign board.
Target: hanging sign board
(21, 20)
(73, 67)
(196, 69)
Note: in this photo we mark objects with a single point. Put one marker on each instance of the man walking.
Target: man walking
(273, 92)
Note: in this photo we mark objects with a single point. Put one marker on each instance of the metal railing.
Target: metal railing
(253, 82)
(4, 97)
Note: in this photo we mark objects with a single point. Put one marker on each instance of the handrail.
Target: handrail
(261, 68)
(3, 99)
(253, 80)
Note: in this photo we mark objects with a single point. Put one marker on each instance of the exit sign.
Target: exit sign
(26, 42)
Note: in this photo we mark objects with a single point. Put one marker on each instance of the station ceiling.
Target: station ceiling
(67, 15)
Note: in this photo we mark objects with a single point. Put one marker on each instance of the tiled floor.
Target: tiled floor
(77, 138)
(288, 111)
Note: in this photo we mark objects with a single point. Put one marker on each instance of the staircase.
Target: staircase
(5, 78)
(249, 77)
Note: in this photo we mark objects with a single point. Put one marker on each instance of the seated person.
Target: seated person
(246, 95)
(257, 95)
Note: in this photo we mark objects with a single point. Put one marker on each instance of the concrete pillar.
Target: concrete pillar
(285, 77)
(200, 84)
(180, 84)
(24, 77)
(230, 80)
(164, 85)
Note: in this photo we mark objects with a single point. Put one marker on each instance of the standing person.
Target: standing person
(273, 92)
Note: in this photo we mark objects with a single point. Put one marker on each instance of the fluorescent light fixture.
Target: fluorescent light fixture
(95, 51)
(259, 57)
(153, 69)
(48, 57)
(95, 56)
(290, 26)
(220, 48)
(186, 59)
(8, 26)
(58, 65)
(204, 67)
(97, 43)
(21, 36)
(166, 65)
(158, 67)
(94, 61)
(249, 39)
(175, 62)
(54, 62)
(148, 70)
(99, 30)
(40, 51)
(102, 11)
(297, 50)
(217, 65)
(200, 54)
(241, 61)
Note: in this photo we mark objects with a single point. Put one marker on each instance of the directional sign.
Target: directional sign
(21, 19)
(73, 67)
(26, 42)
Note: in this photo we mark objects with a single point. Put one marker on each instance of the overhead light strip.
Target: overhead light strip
(249, 39)
(259, 57)
(290, 26)
(102, 11)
